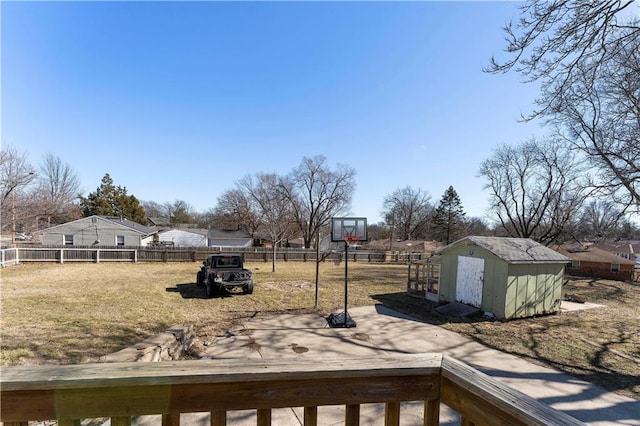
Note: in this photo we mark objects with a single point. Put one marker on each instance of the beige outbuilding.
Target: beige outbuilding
(508, 277)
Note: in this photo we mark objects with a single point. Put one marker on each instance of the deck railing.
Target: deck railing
(119, 391)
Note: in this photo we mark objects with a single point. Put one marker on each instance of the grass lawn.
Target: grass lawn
(75, 313)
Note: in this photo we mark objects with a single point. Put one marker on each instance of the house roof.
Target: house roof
(234, 242)
(198, 231)
(159, 221)
(144, 230)
(512, 250)
(594, 254)
(223, 233)
(629, 247)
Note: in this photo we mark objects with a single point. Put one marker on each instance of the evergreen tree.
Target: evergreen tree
(448, 219)
(111, 200)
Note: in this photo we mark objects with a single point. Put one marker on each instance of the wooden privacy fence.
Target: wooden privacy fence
(120, 391)
(62, 254)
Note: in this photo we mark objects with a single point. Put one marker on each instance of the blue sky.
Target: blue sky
(180, 100)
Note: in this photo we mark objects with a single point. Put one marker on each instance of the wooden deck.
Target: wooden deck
(120, 391)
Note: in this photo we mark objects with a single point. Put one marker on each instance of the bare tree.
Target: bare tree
(407, 210)
(16, 174)
(536, 188)
(58, 186)
(585, 55)
(552, 38)
(603, 122)
(153, 209)
(476, 226)
(273, 207)
(600, 219)
(178, 212)
(236, 210)
(317, 193)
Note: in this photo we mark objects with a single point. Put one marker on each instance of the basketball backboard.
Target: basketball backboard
(343, 227)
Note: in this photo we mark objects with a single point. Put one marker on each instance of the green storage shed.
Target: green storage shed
(509, 277)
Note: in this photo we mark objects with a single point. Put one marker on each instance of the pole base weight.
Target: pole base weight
(341, 320)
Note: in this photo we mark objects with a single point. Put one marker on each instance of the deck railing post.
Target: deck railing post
(120, 421)
(310, 416)
(218, 418)
(392, 414)
(352, 415)
(171, 419)
(432, 412)
(264, 417)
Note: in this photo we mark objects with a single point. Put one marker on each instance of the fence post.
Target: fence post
(17, 255)
(97, 255)
(61, 255)
(135, 256)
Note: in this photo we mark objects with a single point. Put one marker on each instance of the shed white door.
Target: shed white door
(469, 280)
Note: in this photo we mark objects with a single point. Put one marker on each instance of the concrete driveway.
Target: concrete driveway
(383, 331)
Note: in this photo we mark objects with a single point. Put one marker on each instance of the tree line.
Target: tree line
(580, 180)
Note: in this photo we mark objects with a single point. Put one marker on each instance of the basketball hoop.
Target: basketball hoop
(352, 239)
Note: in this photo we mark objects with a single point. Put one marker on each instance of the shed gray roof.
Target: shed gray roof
(512, 250)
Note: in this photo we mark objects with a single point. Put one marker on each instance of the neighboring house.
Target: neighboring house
(192, 237)
(159, 222)
(629, 250)
(98, 231)
(509, 277)
(594, 262)
(221, 239)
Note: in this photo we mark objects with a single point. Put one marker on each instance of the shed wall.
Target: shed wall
(86, 233)
(495, 275)
(509, 290)
(533, 289)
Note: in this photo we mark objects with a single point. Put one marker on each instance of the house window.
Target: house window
(575, 264)
(68, 239)
(119, 240)
(615, 267)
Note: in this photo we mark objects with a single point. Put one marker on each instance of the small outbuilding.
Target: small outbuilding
(509, 277)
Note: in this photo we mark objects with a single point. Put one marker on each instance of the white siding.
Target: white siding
(181, 238)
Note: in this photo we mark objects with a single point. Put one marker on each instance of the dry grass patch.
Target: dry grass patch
(76, 313)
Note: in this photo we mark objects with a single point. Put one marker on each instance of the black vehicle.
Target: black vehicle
(224, 272)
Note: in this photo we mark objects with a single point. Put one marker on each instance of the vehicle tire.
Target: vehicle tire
(212, 287)
(248, 288)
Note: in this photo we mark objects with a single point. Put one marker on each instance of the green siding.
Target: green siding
(533, 289)
(509, 290)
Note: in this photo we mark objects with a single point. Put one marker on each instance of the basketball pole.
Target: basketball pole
(346, 280)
